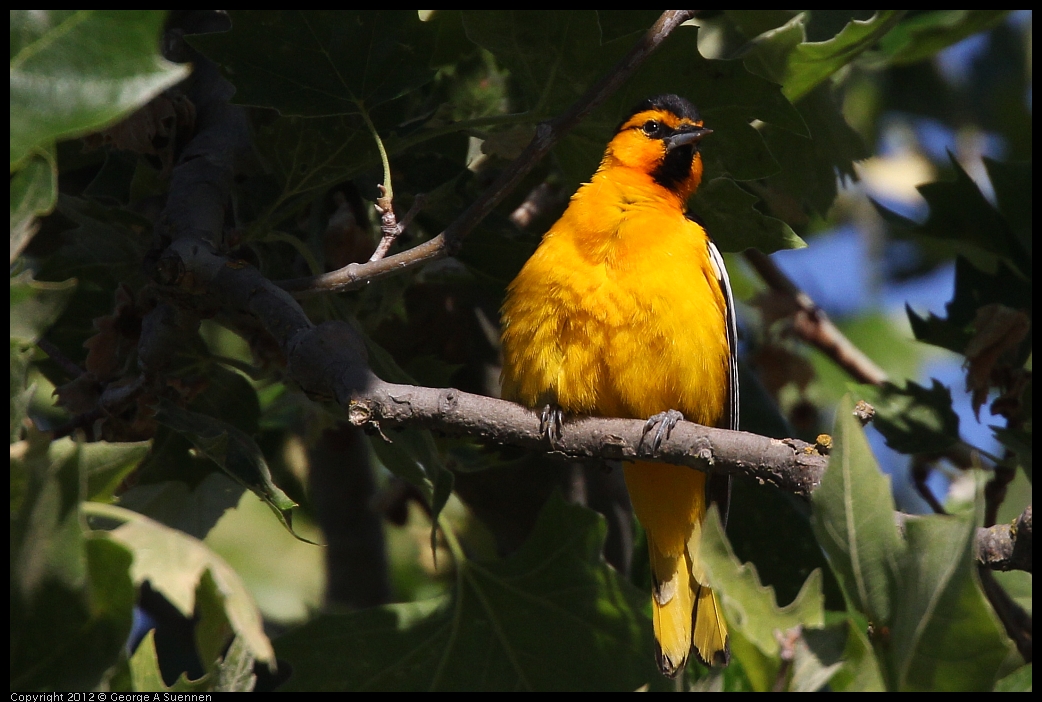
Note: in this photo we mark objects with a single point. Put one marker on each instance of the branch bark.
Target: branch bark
(329, 360)
(546, 137)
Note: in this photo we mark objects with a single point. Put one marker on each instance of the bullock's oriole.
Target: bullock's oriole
(625, 310)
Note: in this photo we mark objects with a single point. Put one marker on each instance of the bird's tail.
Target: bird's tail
(670, 502)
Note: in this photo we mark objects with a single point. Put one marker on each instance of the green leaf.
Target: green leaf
(410, 454)
(1018, 584)
(74, 72)
(733, 222)
(853, 520)
(21, 395)
(213, 630)
(965, 222)
(922, 36)
(860, 671)
(46, 529)
(191, 509)
(552, 55)
(321, 63)
(769, 51)
(67, 638)
(226, 658)
(810, 164)
(175, 564)
(1019, 443)
(146, 676)
(34, 190)
(813, 62)
(621, 23)
(818, 656)
(751, 608)
(1012, 184)
(944, 636)
(71, 596)
(728, 96)
(772, 530)
(106, 248)
(229, 397)
(913, 419)
(233, 450)
(1017, 681)
(552, 616)
(755, 23)
(106, 464)
(235, 673)
(312, 154)
(974, 288)
(36, 305)
(881, 337)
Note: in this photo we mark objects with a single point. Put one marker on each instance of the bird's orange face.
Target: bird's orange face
(662, 141)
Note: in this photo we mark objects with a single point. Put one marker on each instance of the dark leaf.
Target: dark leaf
(74, 71)
(914, 419)
(552, 616)
(923, 35)
(734, 224)
(322, 63)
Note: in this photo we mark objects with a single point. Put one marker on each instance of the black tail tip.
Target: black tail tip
(721, 658)
(666, 666)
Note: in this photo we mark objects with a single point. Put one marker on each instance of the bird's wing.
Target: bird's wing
(718, 488)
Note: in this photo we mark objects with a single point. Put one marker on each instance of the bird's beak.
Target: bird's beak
(688, 136)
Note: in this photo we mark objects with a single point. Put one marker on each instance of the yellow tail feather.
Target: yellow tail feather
(670, 502)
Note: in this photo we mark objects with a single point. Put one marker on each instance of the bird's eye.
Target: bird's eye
(651, 128)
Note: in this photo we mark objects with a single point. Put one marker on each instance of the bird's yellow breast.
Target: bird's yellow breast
(619, 312)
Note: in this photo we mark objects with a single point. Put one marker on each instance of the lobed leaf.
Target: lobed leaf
(175, 564)
(551, 616)
(76, 71)
(322, 63)
(853, 521)
(914, 419)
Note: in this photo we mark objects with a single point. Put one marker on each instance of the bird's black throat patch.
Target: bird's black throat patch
(675, 168)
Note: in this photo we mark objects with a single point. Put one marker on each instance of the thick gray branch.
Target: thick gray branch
(329, 360)
(1006, 546)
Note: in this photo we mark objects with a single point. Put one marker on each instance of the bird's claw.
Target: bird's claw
(550, 422)
(665, 421)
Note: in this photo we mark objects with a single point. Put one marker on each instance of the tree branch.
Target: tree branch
(813, 325)
(1006, 546)
(546, 137)
(329, 361)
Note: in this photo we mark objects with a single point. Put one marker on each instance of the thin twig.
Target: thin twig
(813, 326)
(1015, 620)
(328, 361)
(546, 137)
(995, 491)
(114, 399)
(920, 472)
(390, 228)
(1006, 546)
(70, 367)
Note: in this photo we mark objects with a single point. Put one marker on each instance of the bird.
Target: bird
(625, 310)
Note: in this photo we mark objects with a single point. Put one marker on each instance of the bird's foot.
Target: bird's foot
(662, 424)
(550, 423)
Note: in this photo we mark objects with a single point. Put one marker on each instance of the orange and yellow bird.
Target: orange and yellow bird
(625, 310)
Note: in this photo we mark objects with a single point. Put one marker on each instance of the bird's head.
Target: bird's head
(660, 137)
